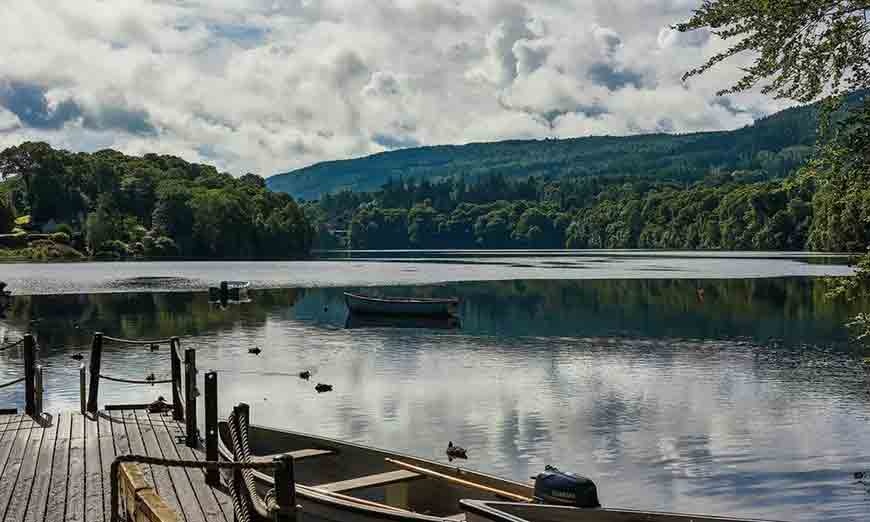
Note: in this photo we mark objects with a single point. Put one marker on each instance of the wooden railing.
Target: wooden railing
(140, 502)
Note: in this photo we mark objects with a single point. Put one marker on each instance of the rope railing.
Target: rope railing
(11, 345)
(238, 427)
(135, 381)
(176, 463)
(135, 341)
(12, 383)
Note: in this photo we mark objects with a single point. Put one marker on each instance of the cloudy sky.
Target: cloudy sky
(270, 85)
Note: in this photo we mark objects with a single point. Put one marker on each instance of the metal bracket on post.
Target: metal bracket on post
(177, 406)
(39, 390)
(192, 438)
(96, 357)
(285, 489)
(212, 477)
(29, 375)
(83, 377)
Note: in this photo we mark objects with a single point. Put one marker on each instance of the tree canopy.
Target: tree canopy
(803, 49)
(151, 205)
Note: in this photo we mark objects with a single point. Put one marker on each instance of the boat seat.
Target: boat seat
(297, 455)
(460, 517)
(371, 481)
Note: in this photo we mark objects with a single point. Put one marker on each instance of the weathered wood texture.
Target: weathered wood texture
(57, 468)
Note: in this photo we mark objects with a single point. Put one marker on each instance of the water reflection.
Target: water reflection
(750, 402)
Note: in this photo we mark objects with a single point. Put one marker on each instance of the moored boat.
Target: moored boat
(499, 511)
(342, 481)
(386, 306)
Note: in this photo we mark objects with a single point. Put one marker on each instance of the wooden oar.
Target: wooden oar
(354, 499)
(434, 474)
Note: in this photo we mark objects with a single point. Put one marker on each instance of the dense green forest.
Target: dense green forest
(775, 144)
(813, 208)
(59, 204)
(724, 211)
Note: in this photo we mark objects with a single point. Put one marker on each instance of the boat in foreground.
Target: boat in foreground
(497, 511)
(341, 481)
(386, 306)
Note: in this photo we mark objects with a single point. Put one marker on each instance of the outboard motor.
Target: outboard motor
(566, 489)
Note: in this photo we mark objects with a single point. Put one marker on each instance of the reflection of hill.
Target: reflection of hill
(791, 309)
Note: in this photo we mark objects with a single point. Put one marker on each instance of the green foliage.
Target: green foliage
(7, 217)
(155, 205)
(61, 238)
(772, 146)
(803, 49)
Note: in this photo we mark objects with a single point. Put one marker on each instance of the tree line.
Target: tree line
(117, 206)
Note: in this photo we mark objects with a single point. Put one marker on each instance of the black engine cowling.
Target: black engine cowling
(558, 487)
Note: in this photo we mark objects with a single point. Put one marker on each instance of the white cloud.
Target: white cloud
(266, 86)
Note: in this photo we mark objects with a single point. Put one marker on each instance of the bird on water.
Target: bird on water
(255, 350)
(305, 375)
(323, 387)
(455, 452)
(77, 356)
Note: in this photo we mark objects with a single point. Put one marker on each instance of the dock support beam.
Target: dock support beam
(285, 489)
(177, 406)
(212, 476)
(96, 357)
(29, 375)
(192, 439)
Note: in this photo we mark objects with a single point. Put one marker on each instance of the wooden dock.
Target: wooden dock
(56, 468)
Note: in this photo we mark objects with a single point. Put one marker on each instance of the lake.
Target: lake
(722, 384)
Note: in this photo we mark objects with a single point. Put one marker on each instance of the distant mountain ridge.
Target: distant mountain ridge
(775, 144)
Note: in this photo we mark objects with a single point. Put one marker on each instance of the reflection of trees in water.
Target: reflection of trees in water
(70, 320)
(792, 309)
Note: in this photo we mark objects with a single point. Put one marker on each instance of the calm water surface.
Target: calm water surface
(744, 399)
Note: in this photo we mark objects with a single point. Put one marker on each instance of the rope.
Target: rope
(133, 341)
(16, 343)
(242, 453)
(133, 381)
(12, 383)
(176, 463)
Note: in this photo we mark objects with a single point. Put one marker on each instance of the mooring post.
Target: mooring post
(192, 438)
(285, 489)
(94, 388)
(177, 406)
(212, 477)
(82, 384)
(29, 375)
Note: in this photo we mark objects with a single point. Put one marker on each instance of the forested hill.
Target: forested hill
(775, 144)
(60, 204)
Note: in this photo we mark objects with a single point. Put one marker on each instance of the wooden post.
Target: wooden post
(82, 384)
(29, 375)
(212, 476)
(96, 357)
(177, 406)
(285, 489)
(192, 438)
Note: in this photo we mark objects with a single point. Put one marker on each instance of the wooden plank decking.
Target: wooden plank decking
(57, 469)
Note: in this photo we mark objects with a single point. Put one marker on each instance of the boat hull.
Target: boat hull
(364, 305)
(353, 460)
(486, 511)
